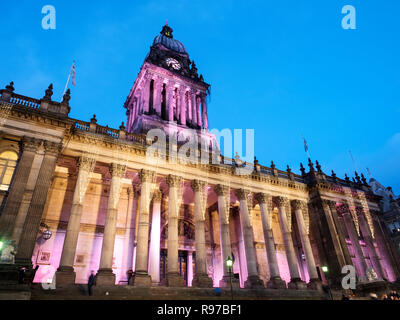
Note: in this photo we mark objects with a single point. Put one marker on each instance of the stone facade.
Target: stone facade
(112, 210)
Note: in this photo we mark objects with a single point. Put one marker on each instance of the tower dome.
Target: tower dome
(167, 40)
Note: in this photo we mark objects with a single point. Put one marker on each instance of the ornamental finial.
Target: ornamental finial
(302, 169)
(167, 31)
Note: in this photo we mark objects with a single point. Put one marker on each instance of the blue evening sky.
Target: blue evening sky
(285, 68)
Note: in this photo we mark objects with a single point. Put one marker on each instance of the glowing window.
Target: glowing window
(8, 162)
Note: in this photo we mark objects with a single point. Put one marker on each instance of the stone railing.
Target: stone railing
(45, 105)
(25, 101)
(121, 135)
(82, 126)
(106, 131)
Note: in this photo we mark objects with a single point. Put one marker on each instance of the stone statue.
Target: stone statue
(371, 274)
(8, 253)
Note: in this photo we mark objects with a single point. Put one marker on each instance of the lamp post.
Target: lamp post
(328, 288)
(229, 264)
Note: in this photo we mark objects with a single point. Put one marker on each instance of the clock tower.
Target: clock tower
(168, 93)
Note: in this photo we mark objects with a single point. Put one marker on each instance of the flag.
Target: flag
(69, 78)
(73, 74)
(305, 145)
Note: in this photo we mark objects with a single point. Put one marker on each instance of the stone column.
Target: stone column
(155, 238)
(170, 101)
(330, 241)
(253, 279)
(182, 104)
(223, 193)
(360, 261)
(275, 281)
(146, 94)
(127, 259)
(194, 107)
(189, 105)
(142, 278)
(158, 87)
(173, 277)
(105, 276)
(369, 241)
(285, 217)
(387, 249)
(190, 269)
(303, 223)
(65, 273)
(198, 109)
(339, 223)
(201, 278)
(16, 193)
(205, 112)
(35, 211)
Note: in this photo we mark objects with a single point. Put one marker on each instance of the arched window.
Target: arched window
(8, 162)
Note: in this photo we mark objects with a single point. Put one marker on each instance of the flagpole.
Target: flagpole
(69, 78)
(66, 85)
(354, 163)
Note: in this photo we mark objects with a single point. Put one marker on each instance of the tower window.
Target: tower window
(164, 103)
(8, 162)
(151, 99)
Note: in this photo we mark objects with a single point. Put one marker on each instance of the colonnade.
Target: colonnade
(147, 252)
(171, 101)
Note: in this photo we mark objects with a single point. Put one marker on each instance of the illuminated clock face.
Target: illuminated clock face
(171, 62)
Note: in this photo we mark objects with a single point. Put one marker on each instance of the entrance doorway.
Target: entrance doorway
(182, 265)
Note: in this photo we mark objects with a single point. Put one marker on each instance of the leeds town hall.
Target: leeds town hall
(79, 198)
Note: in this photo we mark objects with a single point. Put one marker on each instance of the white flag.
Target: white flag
(73, 74)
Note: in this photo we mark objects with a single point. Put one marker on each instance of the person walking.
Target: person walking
(91, 283)
(33, 274)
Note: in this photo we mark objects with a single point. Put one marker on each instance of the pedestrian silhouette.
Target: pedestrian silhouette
(91, 283)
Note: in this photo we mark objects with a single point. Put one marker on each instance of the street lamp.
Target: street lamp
(229, 264)
(328, 288)
(47, 235)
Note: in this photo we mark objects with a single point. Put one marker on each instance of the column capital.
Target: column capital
(52, 148)
(173, 181)
(170, 85)
(360, 211)
(332, 204)
(328, 202)
(280, 201)
(86, 163)
(242, 194)
(262, 197)
(182, 90)
(342, 209)
(221, 190)
(148, 76)
(117, 170)
(298, 204)
(30, 144)
(146, 175)
(157, 196)
(197, 185)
